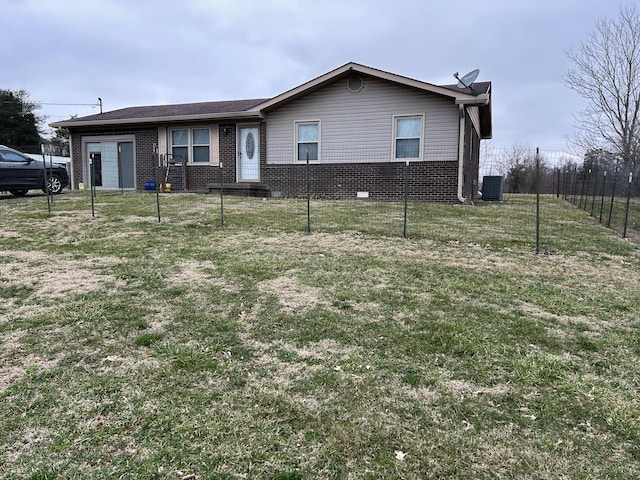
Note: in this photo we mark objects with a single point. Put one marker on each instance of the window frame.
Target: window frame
(297, 141)
(190, 143)
(395, 137)
(194, 145)
(9, 156)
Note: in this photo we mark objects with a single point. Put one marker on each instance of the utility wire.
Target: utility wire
(57, 104)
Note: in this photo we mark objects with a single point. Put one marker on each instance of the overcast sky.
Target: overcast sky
(148, 52)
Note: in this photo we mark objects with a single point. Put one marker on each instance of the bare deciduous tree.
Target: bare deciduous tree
(606, 72)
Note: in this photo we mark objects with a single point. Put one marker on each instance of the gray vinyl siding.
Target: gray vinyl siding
(358, 127)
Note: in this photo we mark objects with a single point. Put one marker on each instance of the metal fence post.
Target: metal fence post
(406, 196)
(626, 212)
(537, 201)
(604, 183)
(613, 196)
(593, 195)
(156, 166)
(46, 178)
(308, 227)
(221, 197)
(92, 184)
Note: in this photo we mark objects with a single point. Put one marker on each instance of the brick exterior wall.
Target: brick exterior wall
(431, 181)
(145, 139)
(427, 181)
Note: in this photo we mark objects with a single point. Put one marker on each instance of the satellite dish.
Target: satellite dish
(467, 80)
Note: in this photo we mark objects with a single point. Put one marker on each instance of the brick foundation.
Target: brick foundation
(427, 181)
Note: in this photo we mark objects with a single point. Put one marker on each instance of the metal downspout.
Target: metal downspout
(461, 157)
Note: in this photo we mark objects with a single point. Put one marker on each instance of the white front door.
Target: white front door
(248, 154)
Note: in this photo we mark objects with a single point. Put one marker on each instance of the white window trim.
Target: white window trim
(213, 137)
(394, 137)
(193, 145)
(295, 141)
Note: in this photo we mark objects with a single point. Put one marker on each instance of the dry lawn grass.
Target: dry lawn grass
(258, 353)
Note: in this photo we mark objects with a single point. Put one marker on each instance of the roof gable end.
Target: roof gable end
(459, 95)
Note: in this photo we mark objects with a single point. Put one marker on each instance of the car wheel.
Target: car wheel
(55, 185)
(19, 192)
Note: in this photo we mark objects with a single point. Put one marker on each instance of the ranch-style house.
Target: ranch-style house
(354, 132)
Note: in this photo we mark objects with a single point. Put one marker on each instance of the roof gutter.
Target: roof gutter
(461, 156)
(482, 99)
(166, 118)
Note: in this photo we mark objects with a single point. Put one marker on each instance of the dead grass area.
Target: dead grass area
(16, 359)
(54, 279)
(293, 297)
(593, 324)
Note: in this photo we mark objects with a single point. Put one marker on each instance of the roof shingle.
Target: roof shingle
(175, 110)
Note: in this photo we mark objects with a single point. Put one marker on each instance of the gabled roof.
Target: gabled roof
(170, 113)
(479, 95)
(465, 96)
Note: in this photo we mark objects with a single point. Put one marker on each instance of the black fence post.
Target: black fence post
(613, 196)
(604, 183)
(308, 227)
(406, 197)
(626, 212)
(221, 197)
(537, 201)
(119, 162)
(92, 184)
(45, 178)
(593, 195)
(156, 166)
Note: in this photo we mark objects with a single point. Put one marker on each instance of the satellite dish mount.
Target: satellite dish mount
(467, 80)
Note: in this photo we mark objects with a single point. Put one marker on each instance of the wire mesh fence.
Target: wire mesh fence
(609, 196)
(385, 197)
(600, 184)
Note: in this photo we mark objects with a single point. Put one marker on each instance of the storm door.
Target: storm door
(248, 154)
(113, 164)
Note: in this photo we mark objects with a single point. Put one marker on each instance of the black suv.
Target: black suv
(20, 173)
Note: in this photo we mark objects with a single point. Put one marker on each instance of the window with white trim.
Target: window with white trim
(307, 140)
(192, 143)
(407, 136)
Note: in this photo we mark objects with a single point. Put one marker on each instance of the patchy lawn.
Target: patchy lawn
(179, 349)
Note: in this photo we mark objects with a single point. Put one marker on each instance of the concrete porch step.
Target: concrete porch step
(244, 189)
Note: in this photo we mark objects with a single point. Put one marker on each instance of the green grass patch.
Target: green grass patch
(134, 348)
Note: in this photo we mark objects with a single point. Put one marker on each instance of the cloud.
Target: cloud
(160, 51)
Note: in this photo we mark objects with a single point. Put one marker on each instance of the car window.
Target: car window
(9, 156)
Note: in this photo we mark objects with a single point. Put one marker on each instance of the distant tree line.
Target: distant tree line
(522, 167)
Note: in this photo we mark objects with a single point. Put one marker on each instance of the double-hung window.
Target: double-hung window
(307, 140)
(407, 132)
(192, 143)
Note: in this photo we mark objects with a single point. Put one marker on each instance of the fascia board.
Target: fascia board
(357, 68)
(482, 99)
(165, 119)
